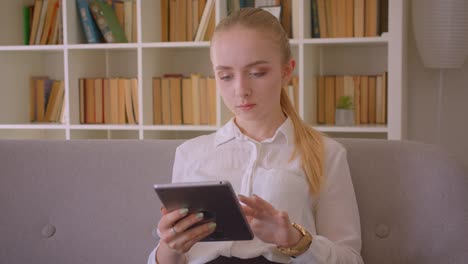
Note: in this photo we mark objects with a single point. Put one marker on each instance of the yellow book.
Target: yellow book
(157, 103)
(176, 100)
(121, 101)
(187, 108)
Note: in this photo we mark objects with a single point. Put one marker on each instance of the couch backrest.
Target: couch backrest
(91, 201)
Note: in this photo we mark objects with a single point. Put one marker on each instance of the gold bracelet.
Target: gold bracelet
(301, 246)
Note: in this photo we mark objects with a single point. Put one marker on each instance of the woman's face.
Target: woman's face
(249, 73)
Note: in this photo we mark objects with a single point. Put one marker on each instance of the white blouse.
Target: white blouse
(263, 168)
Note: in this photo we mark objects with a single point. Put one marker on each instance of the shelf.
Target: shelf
(353, 129)
(32, 48)
(32, 126)
(104, 127)
(181, 128)
(188, 44)
(103, 46)
(383, 40)
(148, 57)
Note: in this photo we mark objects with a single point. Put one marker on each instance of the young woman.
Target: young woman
(293, 182)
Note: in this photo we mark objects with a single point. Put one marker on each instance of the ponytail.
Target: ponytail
(308, 144)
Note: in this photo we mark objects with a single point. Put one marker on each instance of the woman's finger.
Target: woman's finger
(257, 203)
(198, 233)
(248, 211)
(169, 219)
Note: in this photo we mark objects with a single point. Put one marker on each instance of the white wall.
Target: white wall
(423, 104)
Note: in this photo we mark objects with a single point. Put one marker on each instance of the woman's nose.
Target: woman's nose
(242, 87)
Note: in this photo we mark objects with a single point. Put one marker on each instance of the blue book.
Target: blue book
(90, 28)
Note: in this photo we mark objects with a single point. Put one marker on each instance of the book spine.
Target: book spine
(26, 23)
(89, 26)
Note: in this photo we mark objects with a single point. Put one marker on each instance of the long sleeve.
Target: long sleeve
(338, 238)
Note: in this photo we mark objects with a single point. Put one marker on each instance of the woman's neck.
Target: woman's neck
(260, 130)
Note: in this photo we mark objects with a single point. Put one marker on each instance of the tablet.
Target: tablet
(216, 200)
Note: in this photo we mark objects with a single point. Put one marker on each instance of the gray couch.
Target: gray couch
(93, 202)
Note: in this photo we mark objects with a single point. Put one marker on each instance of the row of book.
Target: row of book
(46, 100)
(368, 94)
(184, 100)
(348, 18)
(108, 100)
(187, 20)
(42, 23)
(111, 21)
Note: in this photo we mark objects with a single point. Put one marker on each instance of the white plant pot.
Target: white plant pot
(344, 117)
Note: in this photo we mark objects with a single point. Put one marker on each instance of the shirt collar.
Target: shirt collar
(230, 131)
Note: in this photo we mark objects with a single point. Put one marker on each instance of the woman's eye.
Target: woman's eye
(257, 74)
(226, 77)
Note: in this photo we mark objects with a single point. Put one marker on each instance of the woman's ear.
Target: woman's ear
(288, 70)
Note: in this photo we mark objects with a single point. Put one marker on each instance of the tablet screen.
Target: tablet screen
(216, 200)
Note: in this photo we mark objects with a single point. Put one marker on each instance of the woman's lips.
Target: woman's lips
(246, 106)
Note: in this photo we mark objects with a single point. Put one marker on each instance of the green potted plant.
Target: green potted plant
(344, 113)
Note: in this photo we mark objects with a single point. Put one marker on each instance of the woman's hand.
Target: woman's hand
(269, 224)
(177, 234)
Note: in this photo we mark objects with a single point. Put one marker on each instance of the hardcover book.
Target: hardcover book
(107, 22)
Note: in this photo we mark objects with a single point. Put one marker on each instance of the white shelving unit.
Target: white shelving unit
(149, 57)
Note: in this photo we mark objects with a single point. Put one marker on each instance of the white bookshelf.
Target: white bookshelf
(148, 57)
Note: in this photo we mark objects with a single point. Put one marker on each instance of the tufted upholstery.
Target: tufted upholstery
(91, 201)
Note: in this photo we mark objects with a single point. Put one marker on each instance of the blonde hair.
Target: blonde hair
(308, 142)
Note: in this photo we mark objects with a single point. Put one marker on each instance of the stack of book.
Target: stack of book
(42, 23)
(367, 92)
(108, 101)
(187, 20)
(46, 100)
(184, 100)
(111, 21)
(348, 18)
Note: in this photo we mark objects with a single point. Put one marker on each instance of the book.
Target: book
(90, 110)
(359, 15)
(26, 24)
(136, 105)
(40, 26)
(55, 102)
(315, 25)
(130, 117)
(364, 98)
(372, 99)
(121, 100)
(371, 18)
(176, 100)
(114, 100)
(90, 29)
(99, 100)
(157, 101)
(349, 20)
(204, 20)
(51, 13)
(357, 99)
(35, 21)
(187, 111)
(107, 22)
(166, 101)
(322, 18)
